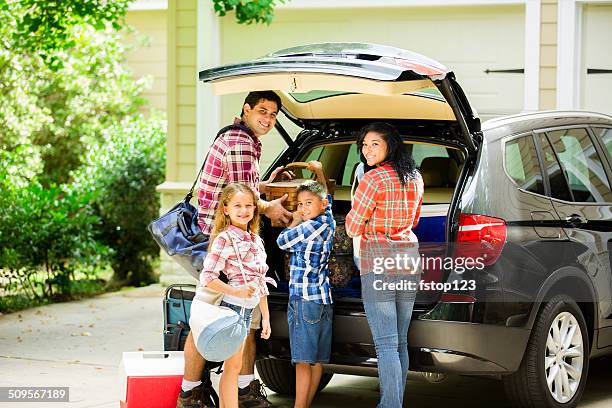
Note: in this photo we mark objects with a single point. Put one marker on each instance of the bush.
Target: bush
(121, 175)
(46, 235)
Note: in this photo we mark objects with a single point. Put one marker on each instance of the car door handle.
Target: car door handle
(575, 220)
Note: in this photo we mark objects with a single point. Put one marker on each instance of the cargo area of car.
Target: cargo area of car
(440, 165)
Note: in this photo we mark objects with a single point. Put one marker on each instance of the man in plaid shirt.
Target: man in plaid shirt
(234, 158)
(309, 238)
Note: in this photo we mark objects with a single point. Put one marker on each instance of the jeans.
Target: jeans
(388, 313)
(310, 331)
(246, 316)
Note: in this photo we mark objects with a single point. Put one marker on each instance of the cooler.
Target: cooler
(150, 379)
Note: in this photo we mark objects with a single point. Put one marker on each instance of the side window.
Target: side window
(315, 154)
(581, 165)
(351, 164)
(606, 137)
(333, 157)
(421, 151)
(521, 162)
(558, 185)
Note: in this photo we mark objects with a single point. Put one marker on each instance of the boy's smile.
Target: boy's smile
(310, 205)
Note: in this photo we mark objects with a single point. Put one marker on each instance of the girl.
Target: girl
(385, 209)
(235, 229)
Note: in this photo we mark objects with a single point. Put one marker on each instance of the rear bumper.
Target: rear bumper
(434, 345)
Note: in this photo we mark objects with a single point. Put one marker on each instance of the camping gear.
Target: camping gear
(218, 331)
(150, 379)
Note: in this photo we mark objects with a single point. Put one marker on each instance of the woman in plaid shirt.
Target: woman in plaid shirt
(386, 207)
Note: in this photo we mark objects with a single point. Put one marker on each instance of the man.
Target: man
(234, 157)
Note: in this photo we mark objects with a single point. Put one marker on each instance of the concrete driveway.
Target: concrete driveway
(79, 345)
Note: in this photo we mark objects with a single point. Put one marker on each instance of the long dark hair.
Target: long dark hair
(397, 154)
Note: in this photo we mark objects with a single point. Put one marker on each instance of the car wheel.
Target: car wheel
(554, 369)
(279, 376)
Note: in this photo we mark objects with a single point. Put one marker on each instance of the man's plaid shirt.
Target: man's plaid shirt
(233, 158)
(310, 244)
(383, 209)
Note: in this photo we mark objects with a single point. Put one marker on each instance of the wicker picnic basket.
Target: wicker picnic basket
(277, 189)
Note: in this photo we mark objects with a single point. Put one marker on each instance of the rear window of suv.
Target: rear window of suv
(521, 164)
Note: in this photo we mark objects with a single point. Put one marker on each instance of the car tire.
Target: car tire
(552, 358)
(279, 376)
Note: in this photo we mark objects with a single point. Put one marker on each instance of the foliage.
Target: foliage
(64, 89)
(248, 11)
(121, 175)
(44, 27)
(56, 111)
(48, 232)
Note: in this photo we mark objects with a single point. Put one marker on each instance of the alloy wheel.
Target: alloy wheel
(564, 357)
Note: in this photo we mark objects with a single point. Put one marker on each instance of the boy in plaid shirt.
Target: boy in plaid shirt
(309, 238)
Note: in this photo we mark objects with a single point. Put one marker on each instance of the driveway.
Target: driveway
(79, 345)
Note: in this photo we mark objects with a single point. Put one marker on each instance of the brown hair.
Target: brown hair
(222, 221)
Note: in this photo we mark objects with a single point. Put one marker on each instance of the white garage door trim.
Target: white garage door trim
(337, 4)
(208, 52)
(569, 52)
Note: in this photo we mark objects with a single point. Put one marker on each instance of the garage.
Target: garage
(484, 45)
(596, 58)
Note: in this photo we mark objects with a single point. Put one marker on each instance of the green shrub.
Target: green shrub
(46, 235)
(121, 175)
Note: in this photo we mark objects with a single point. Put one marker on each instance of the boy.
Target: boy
(309, 238)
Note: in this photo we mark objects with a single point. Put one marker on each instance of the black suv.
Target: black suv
(532, 191)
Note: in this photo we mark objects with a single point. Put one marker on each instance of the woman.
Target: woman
(386, 208)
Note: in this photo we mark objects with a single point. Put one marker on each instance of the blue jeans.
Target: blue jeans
(246, 316)
(388, 313)
(310, 331)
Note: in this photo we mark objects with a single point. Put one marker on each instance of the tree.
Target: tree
(61, 80)
(248, 12)
(44, 27)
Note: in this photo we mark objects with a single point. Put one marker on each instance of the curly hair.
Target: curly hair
(397, 155)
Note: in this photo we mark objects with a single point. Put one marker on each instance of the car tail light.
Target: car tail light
(480, 236)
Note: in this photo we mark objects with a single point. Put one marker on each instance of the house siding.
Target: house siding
(548, 55)
(181, 102)
(150, 58)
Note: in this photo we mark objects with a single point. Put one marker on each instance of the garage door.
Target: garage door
(597, 59)
(483, 45)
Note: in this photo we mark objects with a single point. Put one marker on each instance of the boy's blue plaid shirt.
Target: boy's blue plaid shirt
(310, 244)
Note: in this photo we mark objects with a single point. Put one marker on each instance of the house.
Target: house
(509, 56)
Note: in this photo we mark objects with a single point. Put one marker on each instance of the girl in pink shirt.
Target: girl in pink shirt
(235, 234)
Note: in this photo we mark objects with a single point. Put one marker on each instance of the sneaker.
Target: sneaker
(253, 396)
(195, 398)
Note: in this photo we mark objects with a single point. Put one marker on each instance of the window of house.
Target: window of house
(521, 163)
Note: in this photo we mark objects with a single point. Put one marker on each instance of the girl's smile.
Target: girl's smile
(240, 210)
